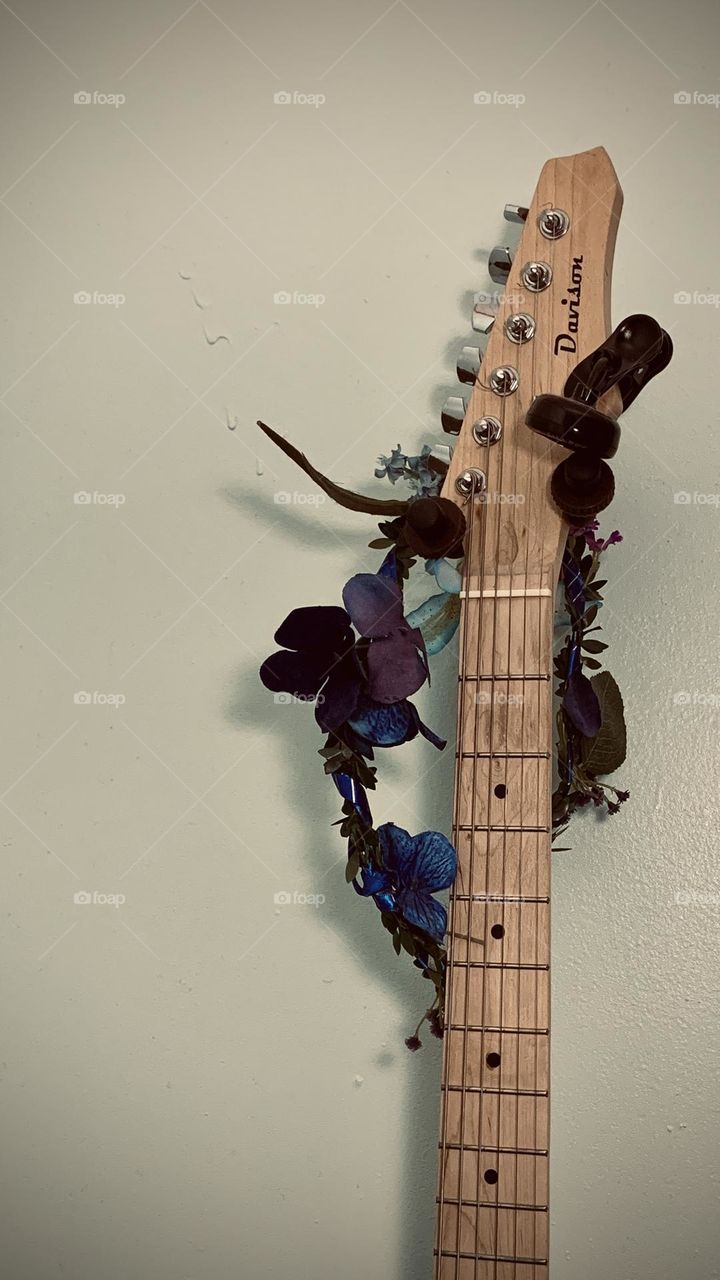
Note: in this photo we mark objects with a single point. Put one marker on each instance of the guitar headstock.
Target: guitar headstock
(553, 313)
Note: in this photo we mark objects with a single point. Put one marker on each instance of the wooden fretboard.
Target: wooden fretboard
(492, 1210)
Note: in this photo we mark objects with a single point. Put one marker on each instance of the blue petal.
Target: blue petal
(434, 862)
(398, 849)
(388, 568)
(384, 725)
(438, 619)
(447, 576)
(372, 880)
(424, 912)
(354, 792)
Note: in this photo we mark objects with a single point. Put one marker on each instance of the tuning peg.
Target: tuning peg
(485, 307)
(453, 414)
(499, 264)
(515, 213)
(439, 459)
(468, 364)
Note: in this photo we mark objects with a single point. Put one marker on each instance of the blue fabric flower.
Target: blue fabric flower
(414, 867)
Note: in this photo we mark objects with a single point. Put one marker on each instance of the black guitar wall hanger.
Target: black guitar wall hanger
(634, 353)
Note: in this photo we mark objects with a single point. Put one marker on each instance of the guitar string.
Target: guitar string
(448, 1054)
(521, 792)
(450, 971)
(472, 838)
(495, 508)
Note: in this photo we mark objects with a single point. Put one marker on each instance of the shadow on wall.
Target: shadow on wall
(355, 919)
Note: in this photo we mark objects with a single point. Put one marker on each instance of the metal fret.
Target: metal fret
(495, 964)
(497, 1151)
(495, 676)
(502, 755)
(468, 826)
(492, 1204)
(509, 1031)
(496, 897)
(483, 1088)
(491, 1257)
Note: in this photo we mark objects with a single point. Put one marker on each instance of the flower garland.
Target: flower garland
(361, 664)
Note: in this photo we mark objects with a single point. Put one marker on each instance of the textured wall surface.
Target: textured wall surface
(198, 1083)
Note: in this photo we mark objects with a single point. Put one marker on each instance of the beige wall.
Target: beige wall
(198, 1084)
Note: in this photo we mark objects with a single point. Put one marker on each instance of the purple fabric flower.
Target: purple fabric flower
(395, 659)
(414, 867)
(318, 661)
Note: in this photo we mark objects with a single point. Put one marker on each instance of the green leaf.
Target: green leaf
(606, 751)
(352, 868)
(593, 646)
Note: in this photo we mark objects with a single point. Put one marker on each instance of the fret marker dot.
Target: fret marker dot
(498, 931)
(493, 1059)
(491, 1176)
(501, 791)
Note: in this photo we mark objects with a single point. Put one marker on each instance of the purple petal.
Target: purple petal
(395, 668)
(298, 673)
(374, 604)
(339, 695)
(581, 704)
(319, 626)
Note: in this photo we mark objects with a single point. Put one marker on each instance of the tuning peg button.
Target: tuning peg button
(499, 264)
(468, 365)
(453, 414)
(484, 312)
(439, 459)
(515, 213)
